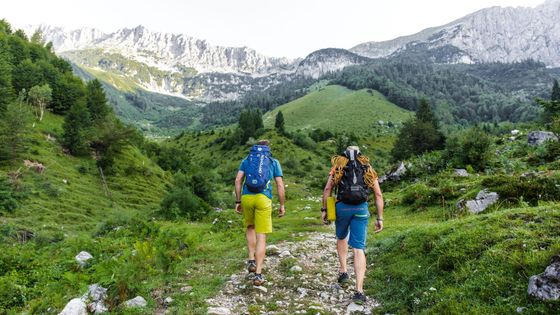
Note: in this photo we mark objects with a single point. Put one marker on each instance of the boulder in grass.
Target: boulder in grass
(546, 286)
(136, 302)
(535, 138)
(75, 307)
(483, 200)
(460, 172)
(96, 297)
(83, 257)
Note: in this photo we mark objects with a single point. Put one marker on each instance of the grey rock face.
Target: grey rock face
(483, 200)
(489, 35)
(539, 137)
(328, 60)
(546, 286)
(136, 302)
(75, 307)
(83, 257)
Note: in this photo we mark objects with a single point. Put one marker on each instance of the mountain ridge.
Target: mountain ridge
(487, 35)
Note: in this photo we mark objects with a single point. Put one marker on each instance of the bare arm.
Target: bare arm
(238, 184)
(379, 204)
(281, 195)
(326, 193)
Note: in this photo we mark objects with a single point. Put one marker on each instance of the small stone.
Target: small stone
(520, 309)
(285, 253)
(186, 289)
(218, 311)
(272, 250)
(75, 307)
(168, 300)
(261, 288)
(354, 308)
(296, 268)
(302, 292)
(460, 172)
(324, 296)
(136, 302)
(82, 258)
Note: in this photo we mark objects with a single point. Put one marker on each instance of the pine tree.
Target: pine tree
(96, 100)
(279, 123)
(6, 92)
(418, 135)
(425, 114)
(76, 129)
(555, 95)
(14, 129)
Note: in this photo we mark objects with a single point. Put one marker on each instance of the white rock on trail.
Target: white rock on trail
(285, 253)
(354, 308)
(136, 302)
(218, 311)
(75, 307)
(296, 269)
(83, 257)
(272, 250)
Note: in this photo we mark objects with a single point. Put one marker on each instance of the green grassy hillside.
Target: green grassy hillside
(69, 196)
(337, 108)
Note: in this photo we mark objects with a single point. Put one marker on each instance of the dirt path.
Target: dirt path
(301, 279)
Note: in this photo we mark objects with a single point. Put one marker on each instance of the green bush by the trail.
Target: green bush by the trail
(530, 188)
(476, 265)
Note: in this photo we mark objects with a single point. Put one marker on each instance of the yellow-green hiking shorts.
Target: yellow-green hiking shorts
(257, 211)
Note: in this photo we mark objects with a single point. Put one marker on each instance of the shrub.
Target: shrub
(470, 147)
(8, 201)
(181, 201)
(304, 141)
(418, 195)
(530, 189)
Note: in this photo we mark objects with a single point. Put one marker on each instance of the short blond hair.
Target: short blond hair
(264, 142)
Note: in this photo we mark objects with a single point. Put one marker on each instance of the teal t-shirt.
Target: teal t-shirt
(275, 171)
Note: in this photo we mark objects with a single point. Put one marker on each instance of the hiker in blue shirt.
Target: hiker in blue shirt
(254, 200)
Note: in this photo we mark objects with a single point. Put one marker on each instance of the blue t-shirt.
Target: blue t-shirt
(275, 171)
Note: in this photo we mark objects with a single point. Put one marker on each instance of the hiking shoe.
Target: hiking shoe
(359, 298)
(258, 280)
(251, 265)
(343, 277)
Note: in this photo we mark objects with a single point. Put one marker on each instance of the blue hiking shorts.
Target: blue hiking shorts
(353, 219)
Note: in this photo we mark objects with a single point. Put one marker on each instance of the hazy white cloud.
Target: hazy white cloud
(291, 28)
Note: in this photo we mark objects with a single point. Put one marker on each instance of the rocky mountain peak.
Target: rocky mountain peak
(488, 35)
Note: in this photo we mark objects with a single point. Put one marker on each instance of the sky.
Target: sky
(287, 28)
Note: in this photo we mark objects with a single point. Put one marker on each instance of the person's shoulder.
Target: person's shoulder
(275, 161)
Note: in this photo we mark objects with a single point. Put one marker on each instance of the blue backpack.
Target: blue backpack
(257, 173)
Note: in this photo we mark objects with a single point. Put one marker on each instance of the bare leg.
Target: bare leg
(261, 251)
(359, 268)
(251, 241)
(342, 249)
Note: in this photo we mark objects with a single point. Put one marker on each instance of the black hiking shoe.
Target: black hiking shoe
(258, 280)
(359, 298)
(343, 277)
(251, 265)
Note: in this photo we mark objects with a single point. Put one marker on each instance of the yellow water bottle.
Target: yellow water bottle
(331, 209)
